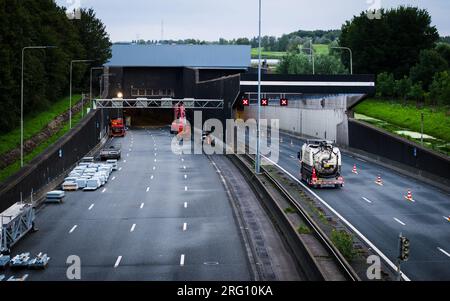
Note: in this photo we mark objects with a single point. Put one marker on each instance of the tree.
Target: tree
(417, 93)
(403, 87)
(294, 63)
(328, 64)
(430, 63)
(444, 51)
(391, 44)
(385, 85)
(440, 88)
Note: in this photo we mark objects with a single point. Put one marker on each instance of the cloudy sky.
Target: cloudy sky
(213, 19)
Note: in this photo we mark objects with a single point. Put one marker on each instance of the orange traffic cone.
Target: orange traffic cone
(379, 181)
(354, 170)
(409, 197)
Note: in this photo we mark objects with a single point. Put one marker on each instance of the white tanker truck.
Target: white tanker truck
(321, 164)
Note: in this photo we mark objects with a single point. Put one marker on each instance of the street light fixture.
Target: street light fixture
(70, 98)
(351, 56)
(258, 143)
(311, 51)
(21, 97)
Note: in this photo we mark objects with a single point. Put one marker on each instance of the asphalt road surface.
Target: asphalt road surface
(381, 213)
(162, 216)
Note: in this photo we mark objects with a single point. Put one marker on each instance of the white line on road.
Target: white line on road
(155, 154)
(104, 189)
(73, 229)
(154, 167)
(360, 159)
(185, 204)
(184, 226)
(155, 160)
(185, 176)
(185, 188)
(142, 205)
(113, 178)
(385, 258)
(443, 251)
(182, 160)
(148, 189)
(118, 261)
(90, 207)
(182, 260)
(124, 161)
(367, 200)
(129, 150)
(128, 155)
(399, 221)
(184, 166)
(151, 178)
(120, 168)
(132, 228)
(446, 218)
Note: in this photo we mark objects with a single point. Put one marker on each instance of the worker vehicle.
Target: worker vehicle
(180, 125)
(321, 164)
(112, 152)
(117, 128)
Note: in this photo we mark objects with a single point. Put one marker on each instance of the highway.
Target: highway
(380, 213)
(161, 216)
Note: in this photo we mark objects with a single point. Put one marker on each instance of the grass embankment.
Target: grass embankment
(394, 116)
(32, 126)
(321, 49)
(318, 49)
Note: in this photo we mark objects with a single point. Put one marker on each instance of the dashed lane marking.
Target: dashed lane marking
(73, 229)
(399, 221)
(90, 207)
(184, 226)
(443, 251)
(182, 260)
(132, 228)
(148, 189)
(142, 205)
(119, 259)
(113, 178)
(367, 200)
(185, 188)
(104, 189)
(185, 204)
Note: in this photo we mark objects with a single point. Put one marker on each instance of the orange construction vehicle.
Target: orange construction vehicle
(117, 128)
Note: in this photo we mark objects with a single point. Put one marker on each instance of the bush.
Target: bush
(440, 88)
(344, 242)
(385, 85)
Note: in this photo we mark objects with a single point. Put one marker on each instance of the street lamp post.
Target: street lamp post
(258, 143)
(70, 92)
(21, 96)
(311, 50)
(90, 82)
(351, 56)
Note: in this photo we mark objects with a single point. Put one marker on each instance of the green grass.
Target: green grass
(268, 54)
(344, 242)
(436, 121)
(321, 49)
(15, 167)
(34, 124)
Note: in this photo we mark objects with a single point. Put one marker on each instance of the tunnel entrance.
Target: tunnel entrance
(148, 117)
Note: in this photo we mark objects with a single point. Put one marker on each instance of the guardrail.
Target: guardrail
(305, 259)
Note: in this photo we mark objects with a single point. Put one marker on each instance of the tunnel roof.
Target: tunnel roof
(194, 56)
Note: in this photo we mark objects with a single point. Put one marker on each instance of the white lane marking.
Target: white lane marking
(113, 178)
(151, 178)
(124, 161)
(90, 207)
(367, 200)
(185, 188)
(155, 154)
(446, 218)
(443, 251)
(128, 155)
(129, 150)
(132, 228)
(154, 167)
(104, 189)
(142, 205)
(367, 241)
(184, 166)
(182, 160)
(185, 176)
(182, 260)
(184, 226)
(185, 204)
(73, 229)
(156, 149)
(155, 160)
(399, 221)
(118, 261)
(148, 189)
(360, 160)
(120, 168)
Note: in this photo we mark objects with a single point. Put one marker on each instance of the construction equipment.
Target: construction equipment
(39, 262)
(408, 196)
(16, 221)
(117, 128)
(354, 170)
(321, 164)
(4, 261)
(20, 261)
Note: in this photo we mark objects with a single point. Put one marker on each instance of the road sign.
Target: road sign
(245, 102)
(264, 102)
(284, 102)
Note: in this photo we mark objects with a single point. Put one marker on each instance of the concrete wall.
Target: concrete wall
(319, 117)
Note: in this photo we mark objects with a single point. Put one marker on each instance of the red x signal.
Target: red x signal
(245, 102)
(284, 102)
(264, 102)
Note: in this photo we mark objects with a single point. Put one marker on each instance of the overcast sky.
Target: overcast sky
(128, 20)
